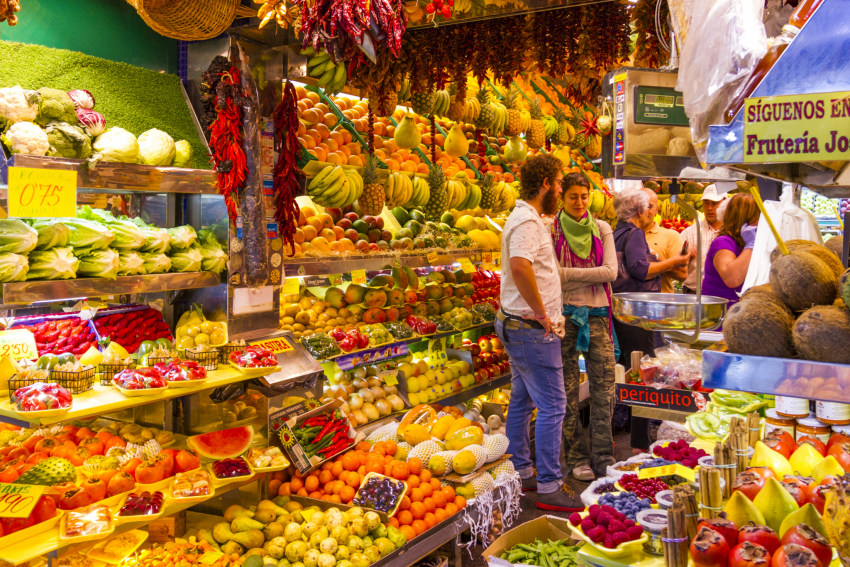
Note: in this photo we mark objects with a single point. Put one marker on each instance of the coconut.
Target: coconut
(844, 287)
(823, 253)
(822, 333)
(834, 245)
(765, 293)
(802, 280)
(759, 327)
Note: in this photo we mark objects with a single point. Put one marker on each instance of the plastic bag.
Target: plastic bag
(589, 497)
(792, 222)
(680, 367)
(613, 472)
(724, 43)
(674, 431)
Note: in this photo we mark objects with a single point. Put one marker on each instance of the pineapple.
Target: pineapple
(422, 103)
(537, 133)
(565, 131)
(488, 192)
(578, 140)
(514, 124)
(382, 102)
(373, 197)
(485, 115)
(438, 203)
(457, 108)
(594, 148)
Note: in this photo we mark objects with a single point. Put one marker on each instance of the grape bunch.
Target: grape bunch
(605, 488)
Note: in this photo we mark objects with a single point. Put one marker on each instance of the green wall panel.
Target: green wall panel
(110, 29)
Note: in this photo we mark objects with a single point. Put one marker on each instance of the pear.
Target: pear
(407, 135)
(515, 150)
(740, 510)
(764, 456)
(775, 504)
(808, 515)
(805, 459)
(456, 144)
(235, 511)
(828, 466)
(243, 524)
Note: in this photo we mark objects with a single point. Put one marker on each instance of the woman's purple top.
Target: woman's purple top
(712, 283)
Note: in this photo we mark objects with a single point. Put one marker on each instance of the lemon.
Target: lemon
(193, 331)
(217, 337)
(207, 327)
(120, 351)
(185, 342)
(202, 339)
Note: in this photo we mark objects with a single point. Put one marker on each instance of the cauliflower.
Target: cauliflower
(68, 141)
(26, 138)
(17, 105)
(55, 106)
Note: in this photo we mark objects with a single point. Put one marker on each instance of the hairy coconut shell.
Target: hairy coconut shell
(823, 253)
(765, 293)
(802, 280)
(823, 334)
(759, 326)
(834, 245)
(844, 287)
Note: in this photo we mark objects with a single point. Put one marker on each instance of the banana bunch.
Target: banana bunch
(500, 117)
(457, 192)
(332, 76)
(525, 121)
(597, 201)
(442, 101)
(668, 210)
(421, 194)
(335, 187)
(399, 190)
(472, 199)
(278, 11)
(473, 109)
(607, 211)
(505, 197)
(462, 6)
(550, 125)
(404, 93)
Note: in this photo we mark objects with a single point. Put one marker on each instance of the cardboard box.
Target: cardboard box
(543, 528)
(590, 557)
(168, 528)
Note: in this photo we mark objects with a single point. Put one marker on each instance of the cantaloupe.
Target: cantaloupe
(823, 334)
(802, 280)
(759, 326)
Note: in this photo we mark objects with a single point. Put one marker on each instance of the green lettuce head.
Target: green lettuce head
(183, 154)
(13, 267)
(182, 237)
(51, 233)
(156, 148)
(128, 236)
(53, 264)
(87, 235)
(100, 264)
(17, 236)
(117, 144)
(67, 140)
(215, 258)
(157, 239)
(189, 260)
(156, 263)
(131, 264)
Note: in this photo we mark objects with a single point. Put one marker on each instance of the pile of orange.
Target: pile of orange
(425, 504)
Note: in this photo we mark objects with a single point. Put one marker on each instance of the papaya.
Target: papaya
(459, 424)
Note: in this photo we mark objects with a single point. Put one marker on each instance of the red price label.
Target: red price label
(42, 192)
(18, 500)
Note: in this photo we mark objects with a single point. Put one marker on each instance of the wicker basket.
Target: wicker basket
(208, 359)
(107, 371)
(190, 20)
(74, 382)
(226, 350)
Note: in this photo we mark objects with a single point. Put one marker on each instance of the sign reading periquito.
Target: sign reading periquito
(797, 128)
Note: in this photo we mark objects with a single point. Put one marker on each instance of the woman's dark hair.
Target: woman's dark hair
(575, 179)
(741, 208)
(535, 171)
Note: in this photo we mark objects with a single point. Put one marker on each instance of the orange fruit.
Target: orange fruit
(401, 471)
(353, 480)
(297, 484)
(460, 502)
(302, 492)
(391, 447)
(311, 483)
(346, 493)
(413, 480)
(404, 504)
(425, 476)
(449, 492)
(416, 495)
(350, 462)
(451, 509)
(418, 510)
(435, 484)
(429, 504)
(439, 499)
(408, 532)
(440, 514)
(326, 476)
(361, 470)
(317, 494)
(415, 465)
(335, 499)
(405, 517)
(394, 522)
(419, 527)
(430, 520)
(375, 467)
(337, 468)
(327, 220)
(426, 489)
(389, 459)
(285, 489)
(364, 446)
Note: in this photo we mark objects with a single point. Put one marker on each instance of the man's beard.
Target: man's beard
(550, 202)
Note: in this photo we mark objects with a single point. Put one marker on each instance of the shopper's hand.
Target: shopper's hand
(748, 233)
(681, 260)
(692, 252)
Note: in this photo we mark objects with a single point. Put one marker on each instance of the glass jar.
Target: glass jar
(773, 420)
(833, 413)
(653, 521)
(813, 427)
(804, 11)
(770, 58)
(792, 407)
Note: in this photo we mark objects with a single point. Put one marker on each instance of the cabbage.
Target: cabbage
(182, 237)
(100, 264)
(82, 99)
(156, 239)
(127, 234)
(215, 258)
(130, 264)
(13, 267)
(117, 144)
(51, 233)
(156, 148)
(188, 260)
(92, 121)
(17, 236)
(53, 264)
(87, 235)
(156, 263)
(183, 155)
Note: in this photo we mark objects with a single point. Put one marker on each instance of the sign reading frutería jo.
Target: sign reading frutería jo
(797, 128)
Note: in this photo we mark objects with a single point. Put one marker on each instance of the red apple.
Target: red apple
(476, 362)
(475, 350)
(335, 214)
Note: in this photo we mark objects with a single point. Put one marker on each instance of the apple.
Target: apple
(475, 350)
(497, 344)
(373, 247)
(335, 214)
(480, 375)
(371, 221)
(380, 222)
(467, 342)
(374, 235)
(485, 345)
(386, 235)
(421, 295)
(476, 362)
(352, 216)
(344, 224)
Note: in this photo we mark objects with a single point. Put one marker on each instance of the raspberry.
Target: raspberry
(596, 534)
(608, 541)
(620, 537)
(628, 523)
(657, 450)
(603, 519)
(575, 518)
(587, 525)
(610, 510)
(615, 526)
(619, 517)
(634, 532)
(594, 510)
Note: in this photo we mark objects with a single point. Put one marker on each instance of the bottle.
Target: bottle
(804, 11)
(770, 58)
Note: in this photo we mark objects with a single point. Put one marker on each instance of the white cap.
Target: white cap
(710, 194)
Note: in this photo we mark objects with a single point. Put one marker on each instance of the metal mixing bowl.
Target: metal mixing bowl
(668, 311)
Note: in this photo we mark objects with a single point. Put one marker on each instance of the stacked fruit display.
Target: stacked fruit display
(366, 396)
(487, 286)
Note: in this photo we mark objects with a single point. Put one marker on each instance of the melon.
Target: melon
(822, 333)
(224, 444)
(802, 280)
(821, 252)
(759, 326)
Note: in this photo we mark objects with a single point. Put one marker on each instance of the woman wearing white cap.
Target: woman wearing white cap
(709, 230)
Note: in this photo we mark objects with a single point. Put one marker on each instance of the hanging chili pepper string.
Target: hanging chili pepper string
(433, 139)
(286, 171)
(371, 137)
(226, 143)
(482, 152)
(548, 144)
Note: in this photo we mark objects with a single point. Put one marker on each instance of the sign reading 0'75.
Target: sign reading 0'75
(797, 128)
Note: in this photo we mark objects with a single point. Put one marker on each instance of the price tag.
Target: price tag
(18, 500)
(335, 279)
(487, 257)
(210, 557)
(277, 346)
(497, 258)
(42, 192)
(457, 341)
(389, 376)
(668, 470)
(431, 257)
(437, 349)
(466, 266)
(291, 287)
(18, 344)
(358, 276)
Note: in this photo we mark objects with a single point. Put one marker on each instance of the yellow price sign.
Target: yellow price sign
(42, 192)
(390, 378)
(358, 277)
(18, 344)
(431, 257)
(291, 287)
(668, 470)
(18, 500)
(210, 557)
(277, 346)
(466, 266)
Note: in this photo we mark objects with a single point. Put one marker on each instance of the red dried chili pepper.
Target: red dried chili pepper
(226, 144)
(286, 171)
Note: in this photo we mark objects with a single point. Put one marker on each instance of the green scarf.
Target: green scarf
(579, 235)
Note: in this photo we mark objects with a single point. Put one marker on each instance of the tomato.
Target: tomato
(186, 461)
(749, 554)
(709, 548)
(724, 527)
(749, 484)
(793, 555)
(762, 535)
(801, 534)
(9, 473)
(96, 487)
(779, 445)
(120, 483)
(837, 438)
(796, 491)
(814, 442)
(44, 509)
(73, 498)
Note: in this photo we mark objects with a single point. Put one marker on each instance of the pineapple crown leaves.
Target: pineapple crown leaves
(487, 181)
(435, 174)
(370, 172)
(535, 110)
(483, 94)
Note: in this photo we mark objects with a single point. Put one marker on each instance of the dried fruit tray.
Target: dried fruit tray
(391, 512)
(66, 540)
(98, 554)
(169, 495)
(217, 481)
(620, 551)
(118, 519)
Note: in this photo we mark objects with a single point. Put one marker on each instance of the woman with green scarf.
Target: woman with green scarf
(585, 250)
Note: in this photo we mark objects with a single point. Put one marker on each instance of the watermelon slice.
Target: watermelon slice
(224, 444)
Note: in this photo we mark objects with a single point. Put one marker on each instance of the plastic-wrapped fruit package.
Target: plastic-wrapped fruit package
(41, 396)
(231, 468)
(130, 328)
(59, 335)
(190, 484)
(379, 493)
(95, 519)
(144, 504)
